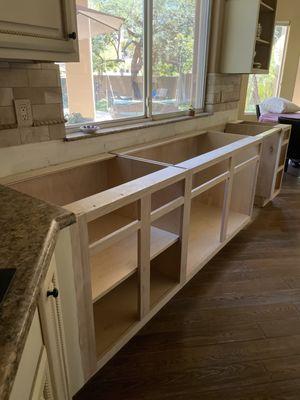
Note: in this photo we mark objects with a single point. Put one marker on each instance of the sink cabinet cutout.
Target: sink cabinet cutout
(145, 227)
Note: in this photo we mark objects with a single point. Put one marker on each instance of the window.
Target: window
(138, 59)
(263, 86)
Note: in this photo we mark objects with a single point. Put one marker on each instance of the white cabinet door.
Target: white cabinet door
(42, 388)
(38, 30)
(53, 334)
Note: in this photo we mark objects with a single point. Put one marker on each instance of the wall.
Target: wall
(41, 84)
(42, 145)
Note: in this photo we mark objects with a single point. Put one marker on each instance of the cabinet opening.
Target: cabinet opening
(167, 195)
(113, 264)
(241, 198)
(177, 151)
(210, 173)
(115, 314)
(165, 273)
(167, 231)
(69, 185)
(278, 181)
(205, 225)
(282, 156)
(112, 222)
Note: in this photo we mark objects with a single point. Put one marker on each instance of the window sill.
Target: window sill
(72, 136)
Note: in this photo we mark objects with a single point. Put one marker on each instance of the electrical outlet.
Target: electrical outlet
(23, 112)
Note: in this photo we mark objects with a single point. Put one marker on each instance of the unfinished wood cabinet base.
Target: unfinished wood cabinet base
(144, 228)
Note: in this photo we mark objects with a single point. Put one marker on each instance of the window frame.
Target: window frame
(203, 49)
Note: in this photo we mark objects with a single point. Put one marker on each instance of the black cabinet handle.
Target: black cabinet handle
(53, 293)
(72, 35)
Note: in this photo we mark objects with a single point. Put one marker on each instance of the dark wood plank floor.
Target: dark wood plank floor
(233, 333)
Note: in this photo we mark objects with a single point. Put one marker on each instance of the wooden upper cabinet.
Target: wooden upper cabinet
(38, 30)
(248, 36)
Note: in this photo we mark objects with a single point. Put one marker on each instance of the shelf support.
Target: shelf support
(144, 238)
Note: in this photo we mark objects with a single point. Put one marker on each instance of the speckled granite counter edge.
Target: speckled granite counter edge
(17, 309)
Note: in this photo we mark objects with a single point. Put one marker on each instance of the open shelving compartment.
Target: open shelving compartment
(275, 138)
(222, 196)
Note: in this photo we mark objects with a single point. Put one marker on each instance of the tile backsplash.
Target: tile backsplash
(40, 83)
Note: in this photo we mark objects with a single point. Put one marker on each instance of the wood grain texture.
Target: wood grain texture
(233, 333)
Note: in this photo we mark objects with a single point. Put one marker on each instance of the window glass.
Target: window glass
(260, 87)
(174, 54)
(108, 83)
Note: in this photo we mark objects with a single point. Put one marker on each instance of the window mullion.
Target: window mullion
(148, 55)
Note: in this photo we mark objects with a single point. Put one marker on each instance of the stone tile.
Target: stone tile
(42, 78)
(230, 96)
(6, 97)
(57, 131)
(53, 95)
(213, 98)
(9, 137)
(7, 115)
(10, 78)
(47, 112)
(221, 107)
(35, 95)
(34, 134)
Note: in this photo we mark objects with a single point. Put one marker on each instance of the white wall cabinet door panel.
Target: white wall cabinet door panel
(53, 333)
(38, 30)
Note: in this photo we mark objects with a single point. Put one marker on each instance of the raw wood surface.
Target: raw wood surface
(233, 333)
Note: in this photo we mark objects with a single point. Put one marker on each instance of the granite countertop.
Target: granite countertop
(28, 233)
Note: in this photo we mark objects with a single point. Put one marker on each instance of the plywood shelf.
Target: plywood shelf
(113, 265)
(205, 229)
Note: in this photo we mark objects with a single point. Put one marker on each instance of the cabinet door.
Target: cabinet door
(42, 28)
(53, 333)
(42, 388)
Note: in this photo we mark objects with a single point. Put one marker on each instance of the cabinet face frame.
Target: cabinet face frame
(15, 44)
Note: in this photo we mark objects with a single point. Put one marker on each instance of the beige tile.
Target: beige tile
(10, 78)
(34, 134)
(35, 95)
(53, 96)
(7, 115)
(213, 98)
(6, 97)
(47, 112)
(57, 131)
(42, 78)
(233, 95)
(9, 137)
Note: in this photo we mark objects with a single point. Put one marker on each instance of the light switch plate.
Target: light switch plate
(23, 112)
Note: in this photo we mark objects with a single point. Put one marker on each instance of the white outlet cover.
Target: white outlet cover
(23, 112)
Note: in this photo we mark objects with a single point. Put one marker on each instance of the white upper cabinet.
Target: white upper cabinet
(38, 30)
(248, 36)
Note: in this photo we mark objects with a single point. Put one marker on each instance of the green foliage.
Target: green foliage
(102, 105)
(173, 37)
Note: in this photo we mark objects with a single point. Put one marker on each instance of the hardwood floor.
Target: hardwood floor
(233, 333)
